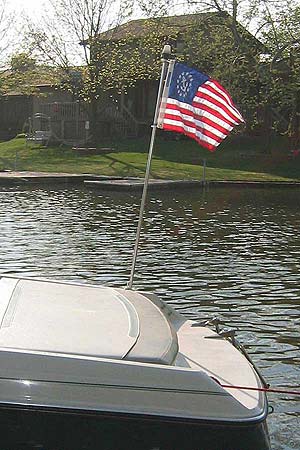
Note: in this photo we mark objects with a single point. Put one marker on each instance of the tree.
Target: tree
(73, 29)
(5, 23)
(261, 77)
(217, 43)
(22, 63)
(114, 56)
(10, 31)
(23, 74)
(282, 35)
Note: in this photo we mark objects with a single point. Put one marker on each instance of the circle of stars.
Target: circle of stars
(184, 83)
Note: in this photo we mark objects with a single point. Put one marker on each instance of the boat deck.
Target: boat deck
(93, 347)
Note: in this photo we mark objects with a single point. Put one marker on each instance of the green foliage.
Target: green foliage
(213, 49)
(22, 62)
(213, 41)
(24, 75)
(282, 77)
(116, 59)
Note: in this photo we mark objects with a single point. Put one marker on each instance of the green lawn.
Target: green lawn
(252, 160)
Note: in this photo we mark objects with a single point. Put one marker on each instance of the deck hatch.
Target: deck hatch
(64, 318)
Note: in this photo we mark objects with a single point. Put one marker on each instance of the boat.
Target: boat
(87, 366)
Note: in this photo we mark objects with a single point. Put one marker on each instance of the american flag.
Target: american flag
(197, 106)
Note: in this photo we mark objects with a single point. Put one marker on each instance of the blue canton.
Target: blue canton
(185, 83)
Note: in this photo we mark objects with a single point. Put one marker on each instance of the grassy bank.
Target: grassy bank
(251, 160)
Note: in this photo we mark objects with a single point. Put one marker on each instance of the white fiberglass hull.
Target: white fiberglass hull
(145, 364)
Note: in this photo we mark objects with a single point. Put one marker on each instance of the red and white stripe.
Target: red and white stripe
(208, 120)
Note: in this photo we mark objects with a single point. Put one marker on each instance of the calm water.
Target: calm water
(226, 253)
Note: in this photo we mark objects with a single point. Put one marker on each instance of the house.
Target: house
(16, 108)
(201, 40)
(37, 100)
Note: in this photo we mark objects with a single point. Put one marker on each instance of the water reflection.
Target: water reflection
(228, 252)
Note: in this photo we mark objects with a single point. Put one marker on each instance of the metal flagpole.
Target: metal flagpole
(166, 53)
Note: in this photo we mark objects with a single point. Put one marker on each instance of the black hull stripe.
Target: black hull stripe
(115, 415)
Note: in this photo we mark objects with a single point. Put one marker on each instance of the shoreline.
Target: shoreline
(104, 182)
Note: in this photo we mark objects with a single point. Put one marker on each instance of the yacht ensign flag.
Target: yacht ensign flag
(197, 106)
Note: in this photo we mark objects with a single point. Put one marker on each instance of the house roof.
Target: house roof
(167, 26)
(29, 82)
(140, 27)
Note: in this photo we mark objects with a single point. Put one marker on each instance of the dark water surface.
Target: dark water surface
(229, 253)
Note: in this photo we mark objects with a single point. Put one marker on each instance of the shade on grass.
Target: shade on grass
(172, 160)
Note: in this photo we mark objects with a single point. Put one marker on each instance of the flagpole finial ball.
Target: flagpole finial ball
(167, 51)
